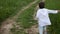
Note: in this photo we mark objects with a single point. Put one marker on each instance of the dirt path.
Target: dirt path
(8, 23)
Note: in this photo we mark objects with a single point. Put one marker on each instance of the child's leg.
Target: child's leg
(45, 29)
(40, 29)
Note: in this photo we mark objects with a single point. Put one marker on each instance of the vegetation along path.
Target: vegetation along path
(8, 23)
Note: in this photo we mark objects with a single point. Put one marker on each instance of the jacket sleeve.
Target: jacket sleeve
(52, 11)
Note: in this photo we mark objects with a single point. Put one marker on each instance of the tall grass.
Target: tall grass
(25, 20)
(9, 8)
(55, 18)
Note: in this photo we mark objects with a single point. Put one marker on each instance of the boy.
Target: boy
(43, 17)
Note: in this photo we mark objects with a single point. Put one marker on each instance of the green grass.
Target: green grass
(53, 4)
(25, 19)
(55, 18)
(9, 8)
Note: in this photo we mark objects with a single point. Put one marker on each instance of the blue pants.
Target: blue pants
(42, 29)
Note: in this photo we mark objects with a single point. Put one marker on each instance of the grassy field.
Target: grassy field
(25, 20)
(55, 18)
(9, 8)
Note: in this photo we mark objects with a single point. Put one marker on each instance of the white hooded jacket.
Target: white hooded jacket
(43, 16)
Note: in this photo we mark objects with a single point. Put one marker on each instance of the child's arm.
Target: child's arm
(53, 11)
